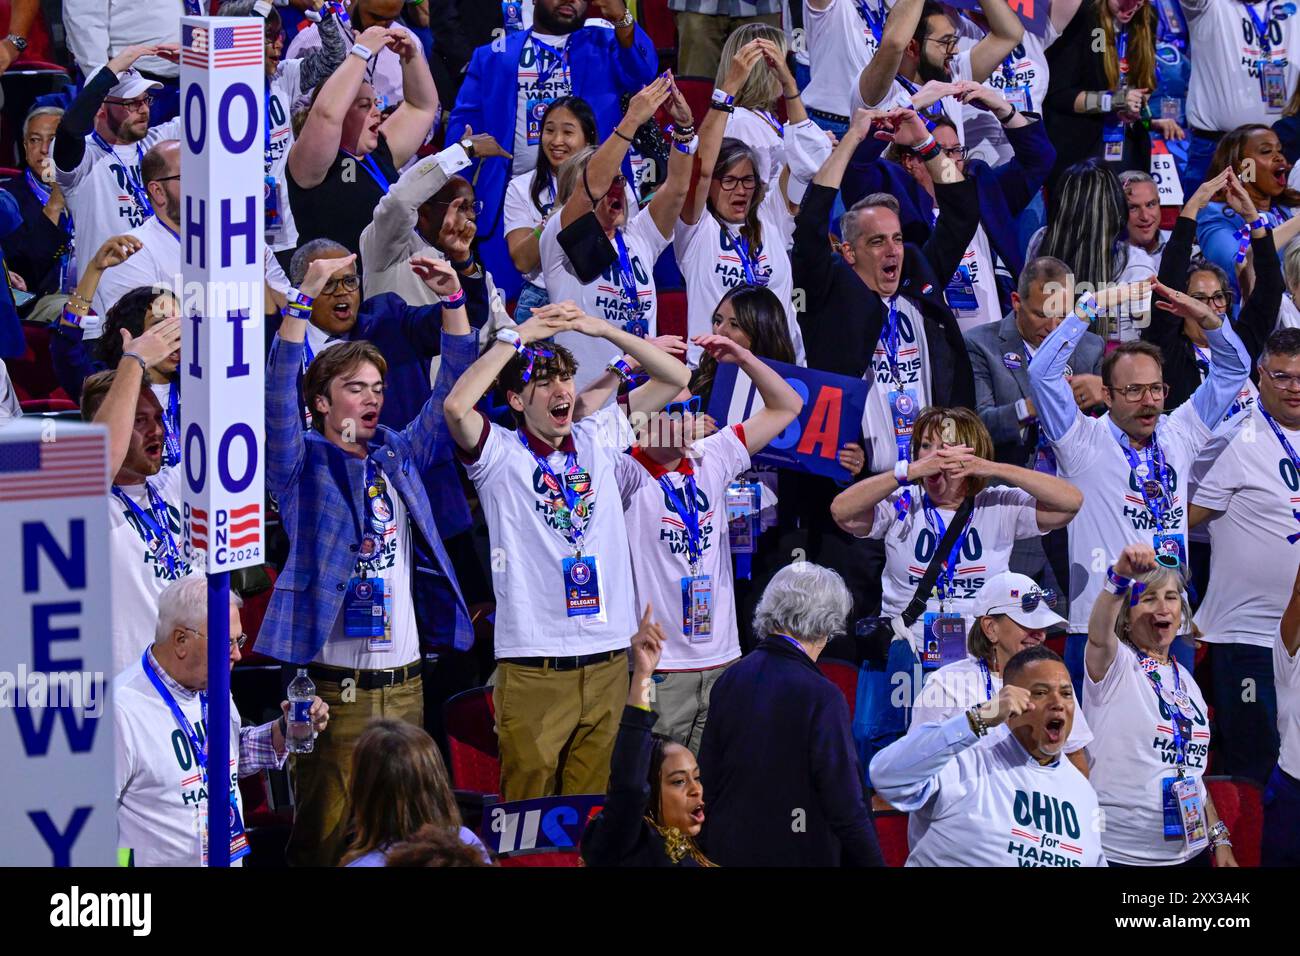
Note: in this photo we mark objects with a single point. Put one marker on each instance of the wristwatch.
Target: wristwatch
(626, 21)
(20, 43)
(467, 145)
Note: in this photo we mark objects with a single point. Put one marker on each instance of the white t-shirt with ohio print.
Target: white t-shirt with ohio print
(1113, 513)
(1224, 91)
(285, 88)
(914, 373)
(603, 297)
(528, 548)
(1133, 750)
(534, 89)
(659, 559)
(137, 575)
(1002, 516)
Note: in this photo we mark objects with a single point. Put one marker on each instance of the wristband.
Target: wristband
(928, 150)
(900, 470)
(621, 135)
(362, 51)
(723, 98)
(620, 368)
(312, 15)
(263, 7)
(72, 318)
(1115, 583)
(512, 338)
(689, 147)
(538, 231)
(340, 12)
(144, 367)
(455, 299)
(299, 298)
(681, 135)
(1010, 116)
(723, 107)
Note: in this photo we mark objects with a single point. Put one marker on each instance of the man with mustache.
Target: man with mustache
(1133, 463)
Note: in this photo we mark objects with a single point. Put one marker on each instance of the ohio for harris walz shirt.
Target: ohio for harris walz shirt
(992, 805)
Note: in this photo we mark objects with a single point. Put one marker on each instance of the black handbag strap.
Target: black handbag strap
(919, 600)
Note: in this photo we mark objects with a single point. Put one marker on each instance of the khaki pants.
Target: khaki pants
(700, 37)
(321, 779)
(556, 729)
(681, 702)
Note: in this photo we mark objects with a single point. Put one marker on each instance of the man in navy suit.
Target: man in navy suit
(999, 355)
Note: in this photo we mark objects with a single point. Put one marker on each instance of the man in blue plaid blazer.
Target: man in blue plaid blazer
(367, 580)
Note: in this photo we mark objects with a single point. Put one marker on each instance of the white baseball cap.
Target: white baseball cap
(1005, 593)
(131, 84)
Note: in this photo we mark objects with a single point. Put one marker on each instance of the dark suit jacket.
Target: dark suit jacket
(778, 752)
(992, 348)
(1254, 323)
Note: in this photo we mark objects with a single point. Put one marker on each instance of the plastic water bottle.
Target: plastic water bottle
(299, 738)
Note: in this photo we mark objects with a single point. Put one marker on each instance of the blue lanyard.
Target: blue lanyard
(558, 58)
(936, 108)
(1295, 460)
(1008, 71)
(267, 158)
(748, 262)
(155, 528)
(200, 750)
(874, 19)
(372, 169)
(43, 197)
(1261, 26)
(172, 424)
(1149, 667)
(988, 679)
(627, 278)
(571, 498)
(137, 191)
(690, 515)
(1157, 474)
(796, 644)
(1121, 50)
(890, 338)
(936, 523)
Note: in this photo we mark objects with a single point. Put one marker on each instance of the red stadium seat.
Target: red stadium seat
(672, 313)
(1057, 643)
(39, 47)
(844, 676)
(891, 832)
(658, 22)
(1238, 801)
(698, 91)
(33, 374)
(470, 722)
(47, 406)
(251, 616)
(535, 858)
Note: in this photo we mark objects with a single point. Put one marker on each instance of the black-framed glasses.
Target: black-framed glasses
(948, 43)
(1029, 601)
(474, 206)
(691, 405)
(1135, 393)
(139, 104)
(728, 183)
(165, 179)
(958, 153)
(1219, 300)
(347, 283)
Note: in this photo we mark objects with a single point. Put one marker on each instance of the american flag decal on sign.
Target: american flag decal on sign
(222, 46)
(73, 467)
(245, 526)
(198, 529)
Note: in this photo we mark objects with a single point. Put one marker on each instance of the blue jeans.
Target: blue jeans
(1075, 644)
(884, 703)
(530, 297)
(1281, 837)
(839, 129)
(1199, 153)
(1245, 730)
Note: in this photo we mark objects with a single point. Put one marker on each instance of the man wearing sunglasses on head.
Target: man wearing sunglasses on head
(100, 146)
(1133, 463)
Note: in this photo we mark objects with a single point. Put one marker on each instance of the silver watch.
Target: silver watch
(627, 20)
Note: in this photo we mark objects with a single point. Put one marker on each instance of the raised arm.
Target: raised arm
(319, 62)
(666, 204)
(879, 73)
(781, 403)
(1005, 32)
(79, 118)
(854, 508)
(606, 161)
(410, 123)
(1259, 313)
(316, 146)
(1229, 364)
(1053, 397)
(712, 130)
(1058, 501)
(668, 376)
(1103, 644)
(118, 408)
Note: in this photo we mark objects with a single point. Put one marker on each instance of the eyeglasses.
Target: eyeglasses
(1029, 601)
(956, 152)
(691, 405)
(1135, 393)
(1220, 300)
(164, 179)
(348, 283)
(728, 183)
(474, 206)
(140, 104)
(235, 642)
(948, 43)
(1282, 380)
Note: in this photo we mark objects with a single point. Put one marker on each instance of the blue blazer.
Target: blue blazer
(319, 489)
(1004, 191)
(601, 70)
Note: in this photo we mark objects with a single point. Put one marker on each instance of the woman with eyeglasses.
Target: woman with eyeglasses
(1181, 340)
(1103, 70)
(1150, 723)
(1010, 613)
(729, 232)
(951, 461)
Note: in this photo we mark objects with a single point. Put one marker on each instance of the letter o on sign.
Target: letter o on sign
(196, 125)
(196, 458)
(245, 434)
(225, 117)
